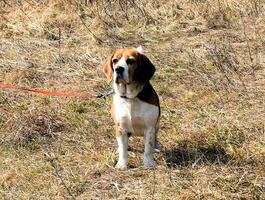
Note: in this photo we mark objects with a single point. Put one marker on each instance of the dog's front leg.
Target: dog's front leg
(149, 145)
(122, 139)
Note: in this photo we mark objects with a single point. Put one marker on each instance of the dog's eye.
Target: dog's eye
(115, 60)
(130, 61)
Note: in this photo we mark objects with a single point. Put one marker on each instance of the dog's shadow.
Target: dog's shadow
(186, 156)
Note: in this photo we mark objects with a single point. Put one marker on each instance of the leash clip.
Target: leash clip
(105, 94)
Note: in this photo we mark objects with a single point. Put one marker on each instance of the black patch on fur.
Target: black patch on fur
(145, 69)
(146, 93)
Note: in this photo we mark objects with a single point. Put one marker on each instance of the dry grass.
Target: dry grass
(210, 78)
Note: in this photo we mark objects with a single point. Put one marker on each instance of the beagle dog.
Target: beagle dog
(135, 109)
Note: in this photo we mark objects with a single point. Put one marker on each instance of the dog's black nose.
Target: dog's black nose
(119, 70)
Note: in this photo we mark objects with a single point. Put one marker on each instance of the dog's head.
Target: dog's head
(128, 65)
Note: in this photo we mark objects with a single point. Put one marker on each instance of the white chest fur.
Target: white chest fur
(135, 116)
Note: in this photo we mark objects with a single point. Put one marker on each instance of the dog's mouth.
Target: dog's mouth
(121, 80)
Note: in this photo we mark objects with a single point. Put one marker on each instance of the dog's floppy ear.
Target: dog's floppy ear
(145, 69)
(108, 68)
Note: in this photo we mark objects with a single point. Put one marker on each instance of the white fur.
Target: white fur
(123, 154)
(137, 117)
(122, 63)
(149, 146)
(140, 49)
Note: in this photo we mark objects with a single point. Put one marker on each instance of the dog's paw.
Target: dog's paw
(157, 148)
(149, 161)
(121, 166)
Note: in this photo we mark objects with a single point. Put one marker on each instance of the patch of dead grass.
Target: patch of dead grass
(210, 78)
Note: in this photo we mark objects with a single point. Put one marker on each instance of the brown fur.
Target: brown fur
(108, 69)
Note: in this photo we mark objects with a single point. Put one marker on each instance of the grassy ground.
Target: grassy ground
(210, 60)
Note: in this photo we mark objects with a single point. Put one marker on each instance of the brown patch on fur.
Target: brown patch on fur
(108, 68)
(138, 126)
(112, 112)
(118, 132)
(117, 124)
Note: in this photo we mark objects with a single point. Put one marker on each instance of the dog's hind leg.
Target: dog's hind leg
(157, 148)
(149, 145)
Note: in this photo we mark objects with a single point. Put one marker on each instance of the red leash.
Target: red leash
(50, 93)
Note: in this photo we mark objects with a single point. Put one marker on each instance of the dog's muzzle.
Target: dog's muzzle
(119, 75)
